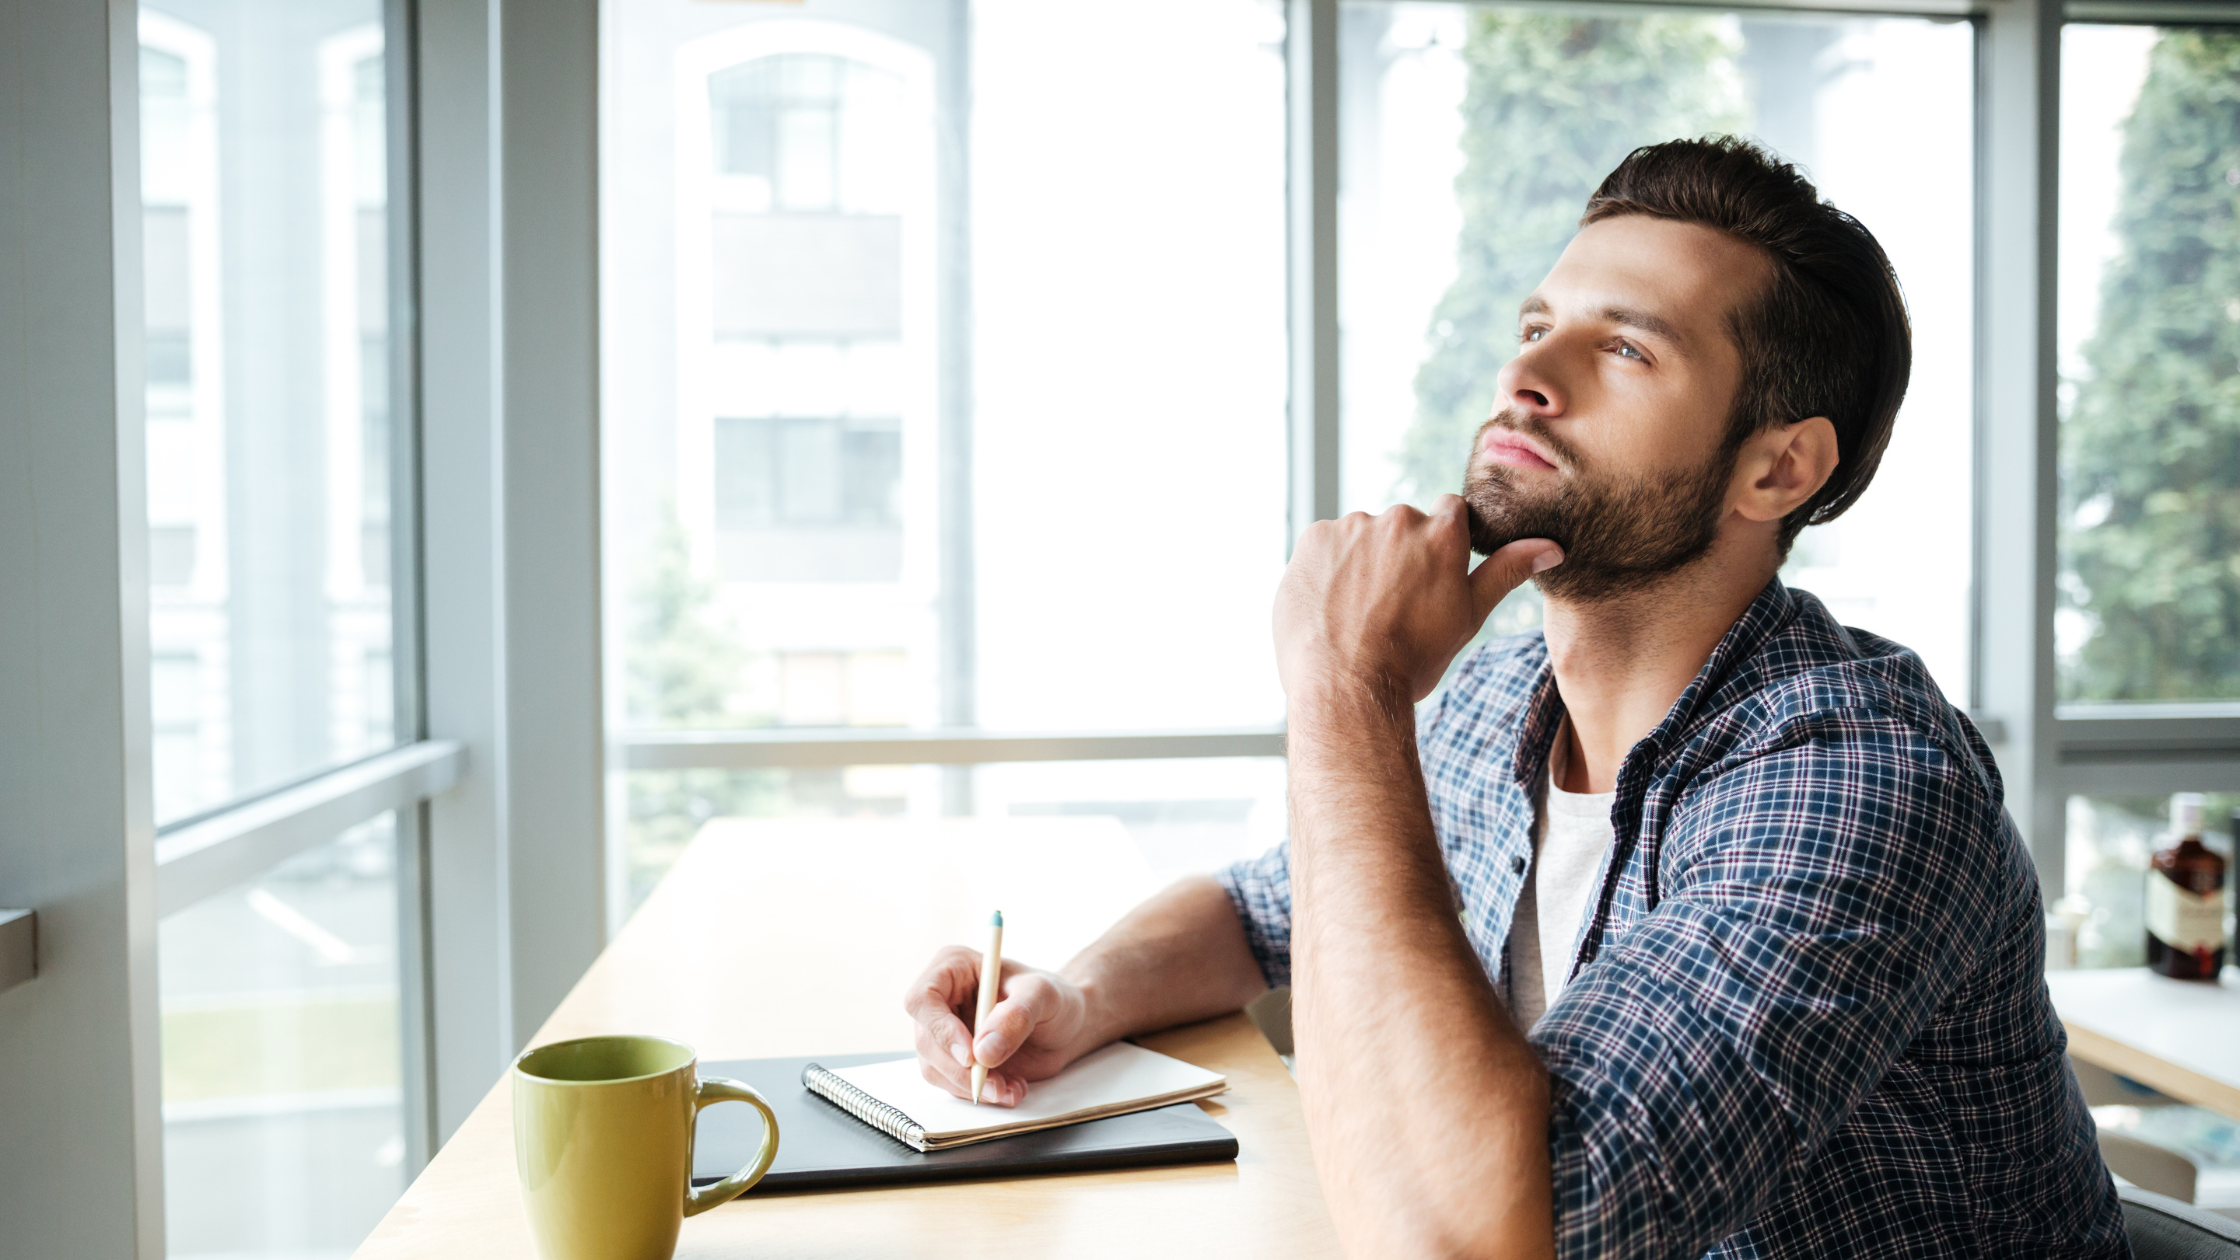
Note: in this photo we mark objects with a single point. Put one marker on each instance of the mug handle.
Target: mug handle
(715, 1089)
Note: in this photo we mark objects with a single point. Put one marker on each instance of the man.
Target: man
(1694, 922)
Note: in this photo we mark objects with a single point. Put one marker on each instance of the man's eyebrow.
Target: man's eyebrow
(1629, 316)
(1654, 325)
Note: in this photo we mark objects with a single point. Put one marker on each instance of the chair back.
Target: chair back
(2162, 1228)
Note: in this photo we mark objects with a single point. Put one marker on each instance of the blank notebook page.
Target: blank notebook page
(1113, 1081)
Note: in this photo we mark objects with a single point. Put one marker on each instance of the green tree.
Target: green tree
(2151, 447)
(682, 665)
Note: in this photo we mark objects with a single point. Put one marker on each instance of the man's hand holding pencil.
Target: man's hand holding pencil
(1038, 1024)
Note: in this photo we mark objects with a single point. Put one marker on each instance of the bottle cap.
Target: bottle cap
(2185, 813)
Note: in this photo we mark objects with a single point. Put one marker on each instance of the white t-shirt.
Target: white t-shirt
(1571, 830)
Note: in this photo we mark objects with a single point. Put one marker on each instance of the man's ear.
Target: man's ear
(1780, 468)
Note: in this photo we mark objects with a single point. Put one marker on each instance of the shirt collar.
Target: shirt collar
(1772, 609)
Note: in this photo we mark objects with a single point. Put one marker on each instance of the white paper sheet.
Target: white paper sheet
(1110, 1081)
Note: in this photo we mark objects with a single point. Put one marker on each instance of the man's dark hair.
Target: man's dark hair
(1827, 337)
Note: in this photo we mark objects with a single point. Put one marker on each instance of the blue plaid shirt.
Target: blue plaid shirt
(1807, 1014)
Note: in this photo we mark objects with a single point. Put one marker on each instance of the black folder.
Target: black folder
(821, 1147)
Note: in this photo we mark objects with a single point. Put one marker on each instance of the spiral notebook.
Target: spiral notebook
(822, 1147)
(895, 1098)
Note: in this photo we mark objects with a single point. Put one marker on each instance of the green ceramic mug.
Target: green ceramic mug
(602, 1132)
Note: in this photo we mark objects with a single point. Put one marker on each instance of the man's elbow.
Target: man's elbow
(1484, 1232)
(1503, 1210)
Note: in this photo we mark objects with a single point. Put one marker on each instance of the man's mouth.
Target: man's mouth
(1502, 446)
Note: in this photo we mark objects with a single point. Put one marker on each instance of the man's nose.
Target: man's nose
(1527, 385)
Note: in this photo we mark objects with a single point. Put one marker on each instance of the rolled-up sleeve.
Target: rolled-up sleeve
(1260, 889)
(1818, 898)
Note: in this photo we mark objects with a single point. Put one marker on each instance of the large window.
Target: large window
(965, 375)
(2147, 615)
(1470, 137)
(273, 605)
(944, 406)
(2149, 343)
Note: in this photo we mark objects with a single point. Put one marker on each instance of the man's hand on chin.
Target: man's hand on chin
(1386, 601)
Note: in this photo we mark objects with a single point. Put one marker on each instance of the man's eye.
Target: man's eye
(1632, 353)
(1534, 333)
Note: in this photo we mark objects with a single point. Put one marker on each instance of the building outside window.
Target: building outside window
(267, 392)
(888, 381)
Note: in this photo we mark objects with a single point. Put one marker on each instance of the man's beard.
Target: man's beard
(1618, 534)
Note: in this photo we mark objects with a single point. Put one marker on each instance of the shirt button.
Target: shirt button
(1516, 864)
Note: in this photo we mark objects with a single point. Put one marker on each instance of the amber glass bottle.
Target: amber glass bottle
(2185, 900)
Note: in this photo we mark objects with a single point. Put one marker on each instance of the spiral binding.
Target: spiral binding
(830, 1086)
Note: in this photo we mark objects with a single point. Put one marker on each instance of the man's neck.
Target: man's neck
(1621, 662)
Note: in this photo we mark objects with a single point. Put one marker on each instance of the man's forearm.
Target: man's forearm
(1178, 957)
(1427, 1109)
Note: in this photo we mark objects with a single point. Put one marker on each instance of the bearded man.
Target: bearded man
(1695, 922)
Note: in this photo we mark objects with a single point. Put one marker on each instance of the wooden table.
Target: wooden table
(2180, 1036)
(794, 938)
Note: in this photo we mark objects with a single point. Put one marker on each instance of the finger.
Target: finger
(933, 999)
(940, 1066)
(1003, 1089)
(1506, 569)
(1450, 527)
(934, 1070)
(945, 1036)
(1027, 1002)
(946, 983)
